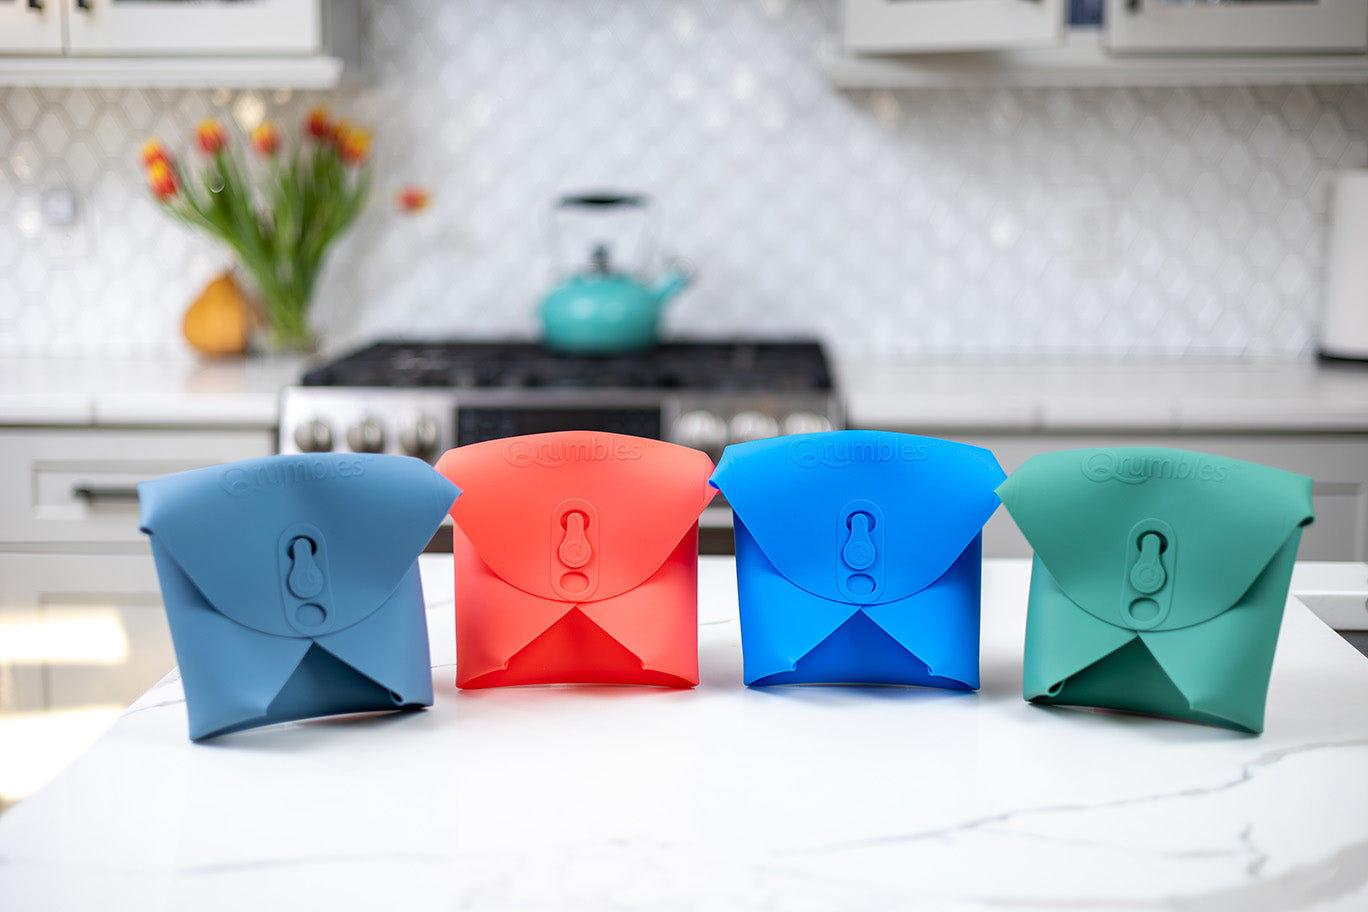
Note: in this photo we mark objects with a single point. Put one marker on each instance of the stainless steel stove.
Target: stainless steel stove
(422, 398)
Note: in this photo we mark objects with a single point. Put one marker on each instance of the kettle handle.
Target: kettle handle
(602, 200)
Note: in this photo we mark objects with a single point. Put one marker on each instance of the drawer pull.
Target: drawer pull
(91, 494)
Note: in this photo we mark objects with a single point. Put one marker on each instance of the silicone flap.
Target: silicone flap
(297, 546)
(576, 515)
(1150, 538)
(860, 516)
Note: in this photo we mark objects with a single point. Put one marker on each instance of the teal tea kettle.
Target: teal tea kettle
(601, 309)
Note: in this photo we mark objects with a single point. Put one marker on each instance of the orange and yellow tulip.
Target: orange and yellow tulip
(211, 137)
(412, 199)
(266, 139)
(161, 179)
(319, 123)
(154, 151)
(353, 143)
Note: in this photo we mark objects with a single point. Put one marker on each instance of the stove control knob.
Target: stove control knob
(314, 436)
(701, 430)
(418, 437)
(752, 426)
(806, 423)
(366, 436)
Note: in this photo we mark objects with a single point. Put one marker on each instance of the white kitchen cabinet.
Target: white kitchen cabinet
(1338, 463)
(79, 631)
(158, 27)
(1275, 26)
(235, 43)
(904, 26)
(81, 619)
(935, 43)
(202, 27)
(31, 25)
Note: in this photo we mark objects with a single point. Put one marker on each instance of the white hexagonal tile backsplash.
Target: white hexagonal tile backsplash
(1009, 222)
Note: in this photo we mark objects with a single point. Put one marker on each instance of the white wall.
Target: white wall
(1087, 223)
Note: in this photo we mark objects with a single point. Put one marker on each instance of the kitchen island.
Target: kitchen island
(724, 797)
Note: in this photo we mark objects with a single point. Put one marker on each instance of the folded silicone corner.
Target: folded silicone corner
(622, 611)
(792, 636)
(1230, 531)
(647, 634)
(236, 678)
(247, 656)
(1215, 673)
(918, 503)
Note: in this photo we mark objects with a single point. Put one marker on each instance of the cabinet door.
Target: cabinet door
(81, 637)
(79, 631)
(1160, 26)
(31, 25)
(238, 27)
(902, 26)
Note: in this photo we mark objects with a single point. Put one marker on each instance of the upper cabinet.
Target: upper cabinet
(207, 26)
(1099, 42)
(899, 26)
(30, 25)
(228, 43)
(1262, 26)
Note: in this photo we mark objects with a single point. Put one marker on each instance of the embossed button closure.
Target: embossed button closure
(305, 580)
(1148, 574)
(574, 549)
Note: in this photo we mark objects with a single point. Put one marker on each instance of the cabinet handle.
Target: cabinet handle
(91, 494)
(83, 5)
(36, 5)
(1132, 6)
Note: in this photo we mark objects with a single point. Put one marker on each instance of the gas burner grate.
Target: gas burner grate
(784, 366)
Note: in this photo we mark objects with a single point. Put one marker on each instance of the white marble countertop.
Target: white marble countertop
(723, 797)
(1178, 396)
(104, 391)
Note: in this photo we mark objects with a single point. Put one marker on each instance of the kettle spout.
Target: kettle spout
(676, 278)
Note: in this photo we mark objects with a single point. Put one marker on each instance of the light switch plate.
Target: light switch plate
(66, 235)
